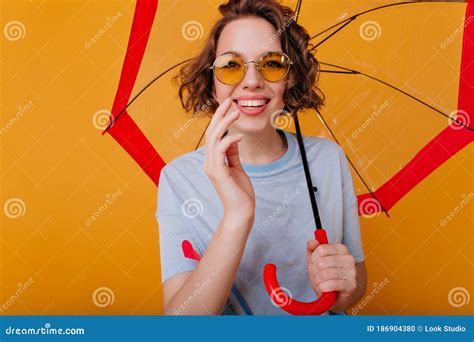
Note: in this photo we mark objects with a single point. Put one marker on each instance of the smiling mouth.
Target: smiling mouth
(252, 103)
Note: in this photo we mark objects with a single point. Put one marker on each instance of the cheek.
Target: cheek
(278, 91)
(222, 91)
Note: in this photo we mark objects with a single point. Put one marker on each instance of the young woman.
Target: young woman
(242, 199)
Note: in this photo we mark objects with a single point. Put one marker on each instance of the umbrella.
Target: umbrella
(423, 120)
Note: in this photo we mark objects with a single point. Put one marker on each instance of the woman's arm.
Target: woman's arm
(206, 289)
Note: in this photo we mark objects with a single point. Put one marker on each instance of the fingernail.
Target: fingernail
(240, 135)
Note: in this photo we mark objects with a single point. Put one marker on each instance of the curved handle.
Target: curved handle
(290, 305)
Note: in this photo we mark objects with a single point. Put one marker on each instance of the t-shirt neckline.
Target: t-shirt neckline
(290, 140)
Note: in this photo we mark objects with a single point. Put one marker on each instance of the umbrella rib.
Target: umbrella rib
(298, 9)
(337, 72)
(349, 20)
(356, 72)
(352, 164)
(202, 134)
(330, 28)
(141, 91)
(332, 34)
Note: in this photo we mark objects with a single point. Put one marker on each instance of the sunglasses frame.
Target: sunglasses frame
(257, 63)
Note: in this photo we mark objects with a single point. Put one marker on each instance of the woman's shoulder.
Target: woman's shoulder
(325, 154)
(321, 144)
(321, 151)
(190, 161)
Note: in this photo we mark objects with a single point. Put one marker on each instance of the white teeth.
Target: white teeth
(252, 103)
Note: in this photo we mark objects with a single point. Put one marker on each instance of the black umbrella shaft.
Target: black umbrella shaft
(309, 183)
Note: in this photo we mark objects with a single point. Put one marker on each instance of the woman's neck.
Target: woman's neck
(262, 147)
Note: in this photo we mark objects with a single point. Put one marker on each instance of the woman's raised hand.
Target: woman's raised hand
(222, 165)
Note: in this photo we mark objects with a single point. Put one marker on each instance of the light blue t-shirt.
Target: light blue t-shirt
(190, 209)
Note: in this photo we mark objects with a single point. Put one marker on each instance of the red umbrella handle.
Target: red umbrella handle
(189, 252)
(289, 304)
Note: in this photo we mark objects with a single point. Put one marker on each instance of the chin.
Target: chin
(252, 124)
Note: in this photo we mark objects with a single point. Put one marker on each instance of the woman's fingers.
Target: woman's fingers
(310, 247)
(333, 261)
(219, 113)
(219, 129)
(210, 142)
(233, 158)
(216, 136)
(223, 146)
(330, 249)
(330, 273)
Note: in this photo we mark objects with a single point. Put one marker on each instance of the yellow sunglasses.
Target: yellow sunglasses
(230, 68)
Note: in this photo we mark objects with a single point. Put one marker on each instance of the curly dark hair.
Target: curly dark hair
(195, 79)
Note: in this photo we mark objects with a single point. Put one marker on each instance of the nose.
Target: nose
(252, 78)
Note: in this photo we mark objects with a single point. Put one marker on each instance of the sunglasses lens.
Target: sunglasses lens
(274, 66)
(229, 69)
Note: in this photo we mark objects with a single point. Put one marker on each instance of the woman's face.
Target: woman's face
(250, 38)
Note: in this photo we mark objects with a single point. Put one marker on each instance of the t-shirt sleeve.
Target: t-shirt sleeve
(172, 229)
(351, 224)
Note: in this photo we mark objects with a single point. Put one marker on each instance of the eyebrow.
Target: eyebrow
(231, 51)
(238, 53)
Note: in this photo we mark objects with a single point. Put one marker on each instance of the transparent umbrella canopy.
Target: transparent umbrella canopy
(396, 78)
(391, 73)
